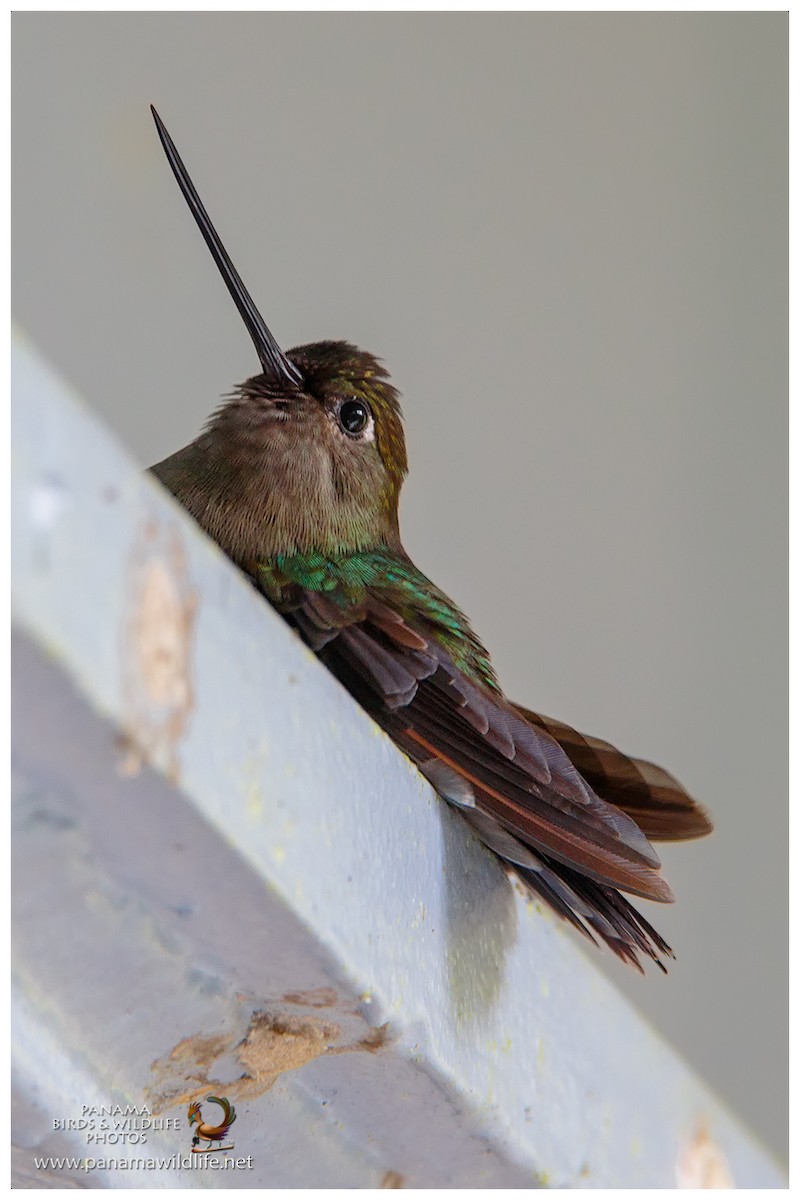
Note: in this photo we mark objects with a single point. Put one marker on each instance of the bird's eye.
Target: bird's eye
(354, 416)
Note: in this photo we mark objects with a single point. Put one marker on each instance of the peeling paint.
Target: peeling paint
(183, 1072)
(273, 1044)
(321, 997)
(701, 1162)
(372, 1042)
(156, 653)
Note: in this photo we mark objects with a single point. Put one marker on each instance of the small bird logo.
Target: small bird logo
(211, 1133)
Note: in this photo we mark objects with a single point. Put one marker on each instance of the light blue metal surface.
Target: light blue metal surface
(228, 878)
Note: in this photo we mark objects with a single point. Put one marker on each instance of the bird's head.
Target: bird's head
(309, 454)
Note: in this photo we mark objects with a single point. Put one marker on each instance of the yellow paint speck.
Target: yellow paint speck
(255, 804)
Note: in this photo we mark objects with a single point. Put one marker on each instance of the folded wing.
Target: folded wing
(570, 813)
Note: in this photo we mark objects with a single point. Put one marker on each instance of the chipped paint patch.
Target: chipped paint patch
(321, 997)
(273, 1044)
(701, 1163)
(183, 1073)
(157, 645)
(372, 1042)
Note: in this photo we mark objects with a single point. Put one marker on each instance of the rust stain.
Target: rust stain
(392, 1179)
(372, 1042)
(157, 644)
(375, 1040)
(701, 1163)
(321, 997)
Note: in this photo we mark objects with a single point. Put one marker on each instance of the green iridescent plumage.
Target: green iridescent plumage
(392, 579)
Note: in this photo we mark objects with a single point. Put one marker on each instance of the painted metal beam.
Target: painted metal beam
(229, 882)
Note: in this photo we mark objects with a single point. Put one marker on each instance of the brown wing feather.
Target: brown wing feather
(523, 789)
(657, 802)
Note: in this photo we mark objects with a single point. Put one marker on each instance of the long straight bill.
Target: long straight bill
(273, 360)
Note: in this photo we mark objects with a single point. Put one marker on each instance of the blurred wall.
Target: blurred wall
(566, 234)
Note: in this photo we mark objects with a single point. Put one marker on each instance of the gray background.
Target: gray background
(566, 234)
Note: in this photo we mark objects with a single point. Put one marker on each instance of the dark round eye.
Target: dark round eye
(353, 417)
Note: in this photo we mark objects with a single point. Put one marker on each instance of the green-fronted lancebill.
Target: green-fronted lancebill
(297, 476)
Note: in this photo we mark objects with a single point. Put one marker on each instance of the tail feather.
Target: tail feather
(657, 802)
(593, 908)
(590, 907)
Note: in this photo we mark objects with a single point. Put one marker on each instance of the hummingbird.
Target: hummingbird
(297, 477)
